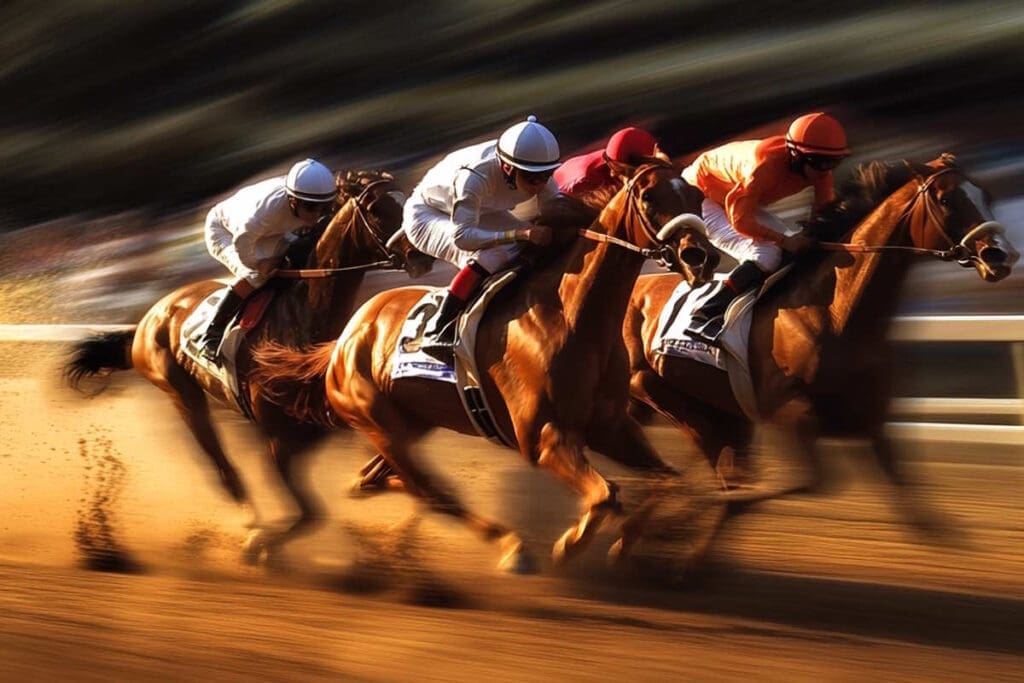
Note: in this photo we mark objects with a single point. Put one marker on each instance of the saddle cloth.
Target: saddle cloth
(410, 361)
(731, 352)
(194, 327)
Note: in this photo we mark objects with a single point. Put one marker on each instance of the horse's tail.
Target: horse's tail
(295, 379)
(100, 354)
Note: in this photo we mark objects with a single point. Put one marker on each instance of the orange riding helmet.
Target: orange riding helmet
(817, 134)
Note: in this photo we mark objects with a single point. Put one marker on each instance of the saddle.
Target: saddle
(194, 327)
(409, 361)
(731, 352)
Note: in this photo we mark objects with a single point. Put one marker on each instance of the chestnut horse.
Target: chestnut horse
(553, 365)
(819, 355)
(304, 311)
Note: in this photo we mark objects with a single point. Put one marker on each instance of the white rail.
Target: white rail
(995, 328)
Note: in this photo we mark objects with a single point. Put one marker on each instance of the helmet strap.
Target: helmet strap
(509, 171)
(797, 163)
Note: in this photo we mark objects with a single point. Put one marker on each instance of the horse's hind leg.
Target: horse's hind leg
(376, 476)
(393, 442)
(192, 405)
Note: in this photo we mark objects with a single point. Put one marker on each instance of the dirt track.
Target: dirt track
(826, 587)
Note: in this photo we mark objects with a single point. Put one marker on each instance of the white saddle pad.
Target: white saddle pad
(731, 353)
(409, 361)
(192, 331)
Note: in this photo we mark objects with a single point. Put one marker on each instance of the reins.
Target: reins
(655, 254)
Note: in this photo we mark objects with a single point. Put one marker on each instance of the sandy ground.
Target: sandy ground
(825, 587)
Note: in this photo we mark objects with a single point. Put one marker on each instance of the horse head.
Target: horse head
(367, 224)
(951, 212)
(660, 218)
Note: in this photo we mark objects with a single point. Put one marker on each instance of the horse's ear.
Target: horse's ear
(945, 160)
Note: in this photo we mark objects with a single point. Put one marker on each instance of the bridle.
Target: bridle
(923, 211)
(362, 210)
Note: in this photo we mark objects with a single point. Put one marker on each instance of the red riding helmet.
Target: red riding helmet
(627, 144)
(817, 134)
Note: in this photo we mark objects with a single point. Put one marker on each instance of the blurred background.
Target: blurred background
(123, 123)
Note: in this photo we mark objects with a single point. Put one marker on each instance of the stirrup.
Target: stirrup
(708, 331)
(209, 349)
(442, 345)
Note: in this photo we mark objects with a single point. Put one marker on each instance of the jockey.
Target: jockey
(462, 212)
(738, 179)
(606, 168)
(250, 232)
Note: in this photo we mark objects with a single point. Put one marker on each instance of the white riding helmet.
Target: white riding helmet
(529, 146)
(311, 181)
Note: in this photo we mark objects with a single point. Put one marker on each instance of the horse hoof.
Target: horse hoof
(518, 562)
(254, 549)
(618, 555)
(565, 547)
(361, 488)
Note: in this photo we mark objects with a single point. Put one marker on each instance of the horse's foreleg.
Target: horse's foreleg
(563, 457)
(800, 424)
(909, 501)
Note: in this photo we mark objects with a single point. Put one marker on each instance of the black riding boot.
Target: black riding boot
(226, 310)
(439, 340)
(708, 320)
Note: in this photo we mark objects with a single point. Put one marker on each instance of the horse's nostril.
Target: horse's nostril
(693, 256)
(993, 255)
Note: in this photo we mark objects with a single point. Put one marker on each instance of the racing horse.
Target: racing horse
(311, 307)
(553, 366)
(818, 351)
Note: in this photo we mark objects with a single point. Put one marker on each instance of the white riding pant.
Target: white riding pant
(220, 243)
(767, 255)
(432, 231)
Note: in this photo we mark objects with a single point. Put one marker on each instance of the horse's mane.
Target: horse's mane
(869, 186)
(599, 197)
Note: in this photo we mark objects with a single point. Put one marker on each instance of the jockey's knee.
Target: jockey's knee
(767, 256)
(498, 258)
(245, 286)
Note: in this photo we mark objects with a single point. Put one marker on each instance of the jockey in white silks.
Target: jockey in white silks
(250, 231)
(462, 212)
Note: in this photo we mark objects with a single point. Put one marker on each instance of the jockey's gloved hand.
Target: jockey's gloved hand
(537, 234)
(298, 253)
(795, 244)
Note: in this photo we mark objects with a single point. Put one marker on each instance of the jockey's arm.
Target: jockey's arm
(824, 191)
(741, 206)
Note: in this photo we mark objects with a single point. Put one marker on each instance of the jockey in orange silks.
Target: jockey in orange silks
(462, 212)
(738, 180)
(250, 232)
(605, 168)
